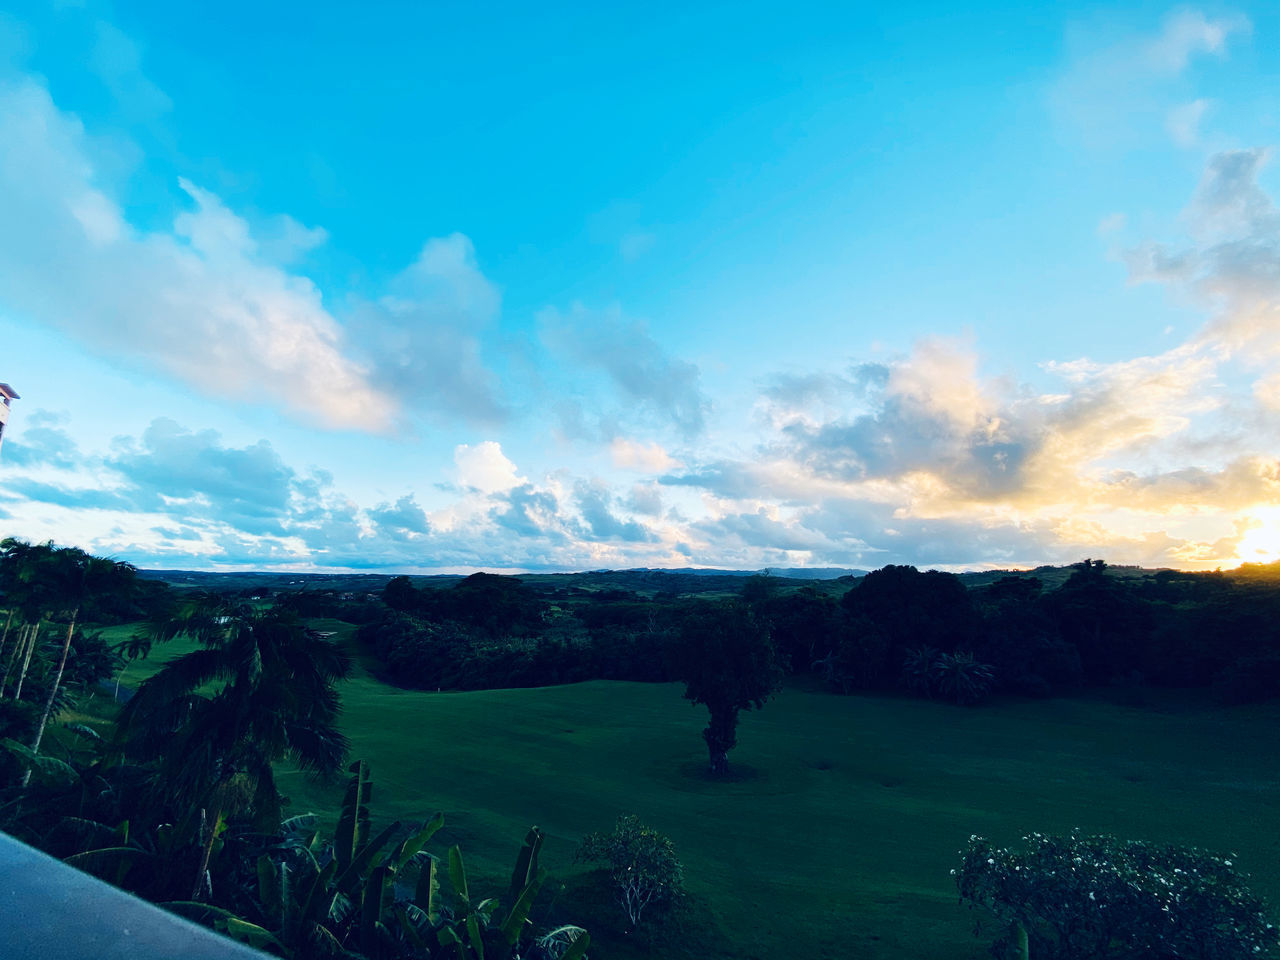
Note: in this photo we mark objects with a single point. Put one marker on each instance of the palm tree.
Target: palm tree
(961, 676)
(40, 581)
(261, 689)
(24, 595)
(4, 637)
(137, 647)
(64, 578)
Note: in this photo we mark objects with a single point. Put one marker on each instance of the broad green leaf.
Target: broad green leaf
(427, 894)
(375, 897)
(473, 934)
(458, 874)
(448, 938)
(353, 821)
(411, 917)
(251, 933)
(365, 859)
(526, 863)
(269, 886)
(410, 847)
(513, 926)
(47, 768)
(108, 863)
(578, 949)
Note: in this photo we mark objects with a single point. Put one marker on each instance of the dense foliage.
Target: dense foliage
(180, 805)
(1094, 898)
(897, 628)
(261, 688)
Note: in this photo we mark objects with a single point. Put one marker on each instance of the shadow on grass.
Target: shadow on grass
(699, 772)
(683, 930)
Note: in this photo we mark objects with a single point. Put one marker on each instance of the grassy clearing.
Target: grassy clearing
(837, 836)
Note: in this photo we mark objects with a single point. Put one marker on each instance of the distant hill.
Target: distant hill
(791, 573)
(642, 580)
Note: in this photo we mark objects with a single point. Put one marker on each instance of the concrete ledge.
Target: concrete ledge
(50, 911)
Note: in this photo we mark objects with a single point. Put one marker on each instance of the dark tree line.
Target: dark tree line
(897, 628)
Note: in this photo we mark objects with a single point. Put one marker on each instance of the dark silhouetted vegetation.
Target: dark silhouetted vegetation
(728, 664)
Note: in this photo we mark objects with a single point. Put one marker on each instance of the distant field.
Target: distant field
(838, 837)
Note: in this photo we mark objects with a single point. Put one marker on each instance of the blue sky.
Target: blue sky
(446, 287)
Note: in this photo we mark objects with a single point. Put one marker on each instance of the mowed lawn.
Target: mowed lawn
(838, 835)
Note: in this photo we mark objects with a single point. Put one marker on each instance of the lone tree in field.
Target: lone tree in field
(727, 662)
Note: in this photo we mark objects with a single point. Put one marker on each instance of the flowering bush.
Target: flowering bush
(642, 863)
(1099, 897)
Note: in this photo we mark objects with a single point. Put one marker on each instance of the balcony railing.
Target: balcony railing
(50, 911)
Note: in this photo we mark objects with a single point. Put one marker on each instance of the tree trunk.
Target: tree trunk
(53, 691)
(4, 638)
(720, 738)
(206, 856)
(13, 657)
(33, 636)
(717, 761)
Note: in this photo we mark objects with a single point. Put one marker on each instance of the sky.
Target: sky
(438, 287)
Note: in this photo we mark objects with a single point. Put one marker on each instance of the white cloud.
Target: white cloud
(1183, 121)
(1188, 33)
(213, 304)
(1164, 459)
(284, 240)
(484, 467)
(1267, 391)
(653, 383)
(1112, 223)
(1116, 82)
(197, 302)
(447, 276)
(422, 336)
(644, 458)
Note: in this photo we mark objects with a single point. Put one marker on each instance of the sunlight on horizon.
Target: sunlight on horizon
(1261, 543)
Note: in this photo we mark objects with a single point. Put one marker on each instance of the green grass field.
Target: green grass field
(836, 838)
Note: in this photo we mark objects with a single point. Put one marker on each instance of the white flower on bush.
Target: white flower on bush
(1099, 898)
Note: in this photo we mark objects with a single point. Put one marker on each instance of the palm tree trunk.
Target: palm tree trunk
(206, 856)
(13, 655)
(33, 635)
(8, 622)
(53, 690)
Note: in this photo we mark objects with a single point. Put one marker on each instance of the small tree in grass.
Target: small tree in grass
(1100, 898)
(642, 863)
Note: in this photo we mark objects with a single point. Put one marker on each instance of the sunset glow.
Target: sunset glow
(1261, 542)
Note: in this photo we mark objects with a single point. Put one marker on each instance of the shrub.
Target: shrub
(642, 865)
(961, 677)
(917, 670)
(1099, 897)
(1248, 680)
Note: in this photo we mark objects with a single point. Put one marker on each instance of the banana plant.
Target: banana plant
(483, 930)
(349, 897)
